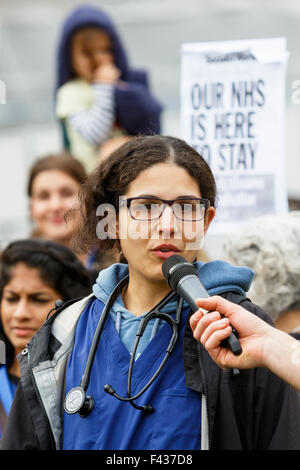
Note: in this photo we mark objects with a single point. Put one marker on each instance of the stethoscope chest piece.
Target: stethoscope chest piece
(76, 401)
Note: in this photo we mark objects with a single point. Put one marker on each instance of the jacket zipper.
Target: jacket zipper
(38, 396)
(205, 393)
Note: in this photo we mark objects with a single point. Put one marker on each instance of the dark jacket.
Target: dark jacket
(137, 111)
(247, 409)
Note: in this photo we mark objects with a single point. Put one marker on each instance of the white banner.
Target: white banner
(233, 113)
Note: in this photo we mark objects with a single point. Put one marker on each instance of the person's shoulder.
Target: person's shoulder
(74, 96)
(68, 313)
(61, 320)
(59, 327)
(138, 76)
(245, 302)
(74, 85)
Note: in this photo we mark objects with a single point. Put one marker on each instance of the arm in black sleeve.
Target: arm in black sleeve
(276, 405)
(19, 432)
(277, 425)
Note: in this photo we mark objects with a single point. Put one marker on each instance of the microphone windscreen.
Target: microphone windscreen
(175, 267)
(170, 262)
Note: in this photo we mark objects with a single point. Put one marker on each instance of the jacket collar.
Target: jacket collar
(43, 363)
(201, 374)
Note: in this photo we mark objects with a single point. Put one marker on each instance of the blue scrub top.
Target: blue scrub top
(7, 391)
(115, 425)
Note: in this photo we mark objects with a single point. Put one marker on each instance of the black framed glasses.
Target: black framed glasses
(147, 208)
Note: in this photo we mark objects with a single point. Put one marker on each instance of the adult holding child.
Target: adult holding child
(101, 101)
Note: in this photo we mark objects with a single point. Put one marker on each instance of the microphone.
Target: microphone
(183, 278)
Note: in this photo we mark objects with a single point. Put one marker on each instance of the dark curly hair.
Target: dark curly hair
(58, 266)
(113, 176)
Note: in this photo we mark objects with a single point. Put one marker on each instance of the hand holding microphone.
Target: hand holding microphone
(183, 278)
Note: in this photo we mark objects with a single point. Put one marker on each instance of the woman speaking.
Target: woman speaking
(120, 369)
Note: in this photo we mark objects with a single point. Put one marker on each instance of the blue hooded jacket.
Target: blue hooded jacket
(137, 111)
(217, 277)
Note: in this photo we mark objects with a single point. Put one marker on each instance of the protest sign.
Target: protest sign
(233, 113)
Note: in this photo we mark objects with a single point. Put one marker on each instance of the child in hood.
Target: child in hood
(100, 100)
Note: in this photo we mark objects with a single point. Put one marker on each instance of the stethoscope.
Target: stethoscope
(77, 401)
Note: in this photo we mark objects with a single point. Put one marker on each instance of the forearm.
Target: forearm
(282, 356)
(95, 124)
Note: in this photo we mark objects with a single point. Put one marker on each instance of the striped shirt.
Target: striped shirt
(95, 124)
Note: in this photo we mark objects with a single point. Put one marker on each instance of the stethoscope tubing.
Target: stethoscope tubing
(89, 363)
(87, 402)
(168, 352)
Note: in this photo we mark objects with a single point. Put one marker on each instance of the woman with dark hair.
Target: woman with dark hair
(108, 360)
(34, 274)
